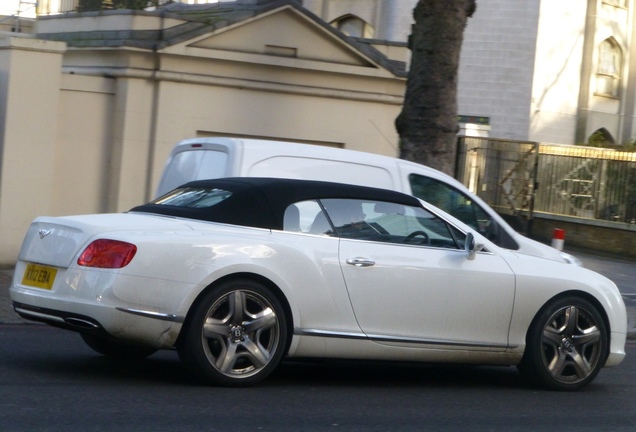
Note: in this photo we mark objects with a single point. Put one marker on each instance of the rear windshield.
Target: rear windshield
(193, 197)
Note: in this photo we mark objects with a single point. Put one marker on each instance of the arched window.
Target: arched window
(353, 26)
(601, 138)
(608, 75)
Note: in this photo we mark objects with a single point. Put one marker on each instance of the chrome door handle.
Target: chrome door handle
(360, 262)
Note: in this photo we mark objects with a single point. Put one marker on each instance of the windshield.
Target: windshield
(461, 206)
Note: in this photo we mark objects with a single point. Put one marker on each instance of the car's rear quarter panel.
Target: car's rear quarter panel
(176, 261)
(172, 268)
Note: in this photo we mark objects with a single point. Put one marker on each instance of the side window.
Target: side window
(450, 200)
(461, 206)
(349, 219)
(390, 222)
(306, 217)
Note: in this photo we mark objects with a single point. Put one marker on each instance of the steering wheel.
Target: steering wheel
(425, 239)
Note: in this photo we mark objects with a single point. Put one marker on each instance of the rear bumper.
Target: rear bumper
(134, 326)
(125, 307)
(66, 320)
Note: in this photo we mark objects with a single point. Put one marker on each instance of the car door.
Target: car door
(413, 282)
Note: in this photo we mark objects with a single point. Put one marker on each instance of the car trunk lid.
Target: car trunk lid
(56, 241)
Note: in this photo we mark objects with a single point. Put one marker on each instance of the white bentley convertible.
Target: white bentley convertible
(237, 274)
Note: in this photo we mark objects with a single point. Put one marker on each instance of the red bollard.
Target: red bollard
(558, 238)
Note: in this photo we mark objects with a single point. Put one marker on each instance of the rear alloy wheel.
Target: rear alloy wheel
(116, 349)
(567, 345)
(236, 336)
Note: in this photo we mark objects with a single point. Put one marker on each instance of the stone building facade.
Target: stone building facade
(539, 70)
(92, 104)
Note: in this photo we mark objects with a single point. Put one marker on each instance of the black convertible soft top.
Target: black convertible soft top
(261, 202)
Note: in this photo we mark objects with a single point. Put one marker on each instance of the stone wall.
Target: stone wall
(616, 239)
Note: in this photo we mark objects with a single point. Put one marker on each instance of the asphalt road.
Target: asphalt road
(51, 381)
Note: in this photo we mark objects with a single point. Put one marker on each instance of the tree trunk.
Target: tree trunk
(428, 122)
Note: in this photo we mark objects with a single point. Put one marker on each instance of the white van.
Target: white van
(203, 158)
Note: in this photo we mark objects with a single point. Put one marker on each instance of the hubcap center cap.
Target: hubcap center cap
(237, 333)
(567, 345)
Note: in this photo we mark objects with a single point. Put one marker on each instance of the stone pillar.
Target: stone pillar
(133, 127)
(30, 76)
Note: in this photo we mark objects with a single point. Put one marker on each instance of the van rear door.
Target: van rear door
(194, 161)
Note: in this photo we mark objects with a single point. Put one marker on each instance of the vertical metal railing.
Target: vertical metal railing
(587, 182)
(502, 173)
(517, 178)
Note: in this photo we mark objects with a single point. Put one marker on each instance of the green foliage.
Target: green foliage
(599, 139)
(631, 147)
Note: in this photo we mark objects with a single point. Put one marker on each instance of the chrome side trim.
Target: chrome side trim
(154, 315)
(47, 317)
(331, 334)
(390, 339)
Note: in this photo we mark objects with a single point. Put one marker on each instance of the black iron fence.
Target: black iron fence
(519, 178)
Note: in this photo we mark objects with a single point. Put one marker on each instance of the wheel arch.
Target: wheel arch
(584, 295)
(275, 289)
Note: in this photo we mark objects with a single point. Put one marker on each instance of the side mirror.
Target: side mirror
(471, 247)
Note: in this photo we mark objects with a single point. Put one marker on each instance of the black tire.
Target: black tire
(236, 334)
(567, 345)
(116, 349)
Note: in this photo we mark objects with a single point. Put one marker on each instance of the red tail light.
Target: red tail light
(104, 253)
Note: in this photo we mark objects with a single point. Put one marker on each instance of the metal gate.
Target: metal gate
(503, 173)
(517, 178)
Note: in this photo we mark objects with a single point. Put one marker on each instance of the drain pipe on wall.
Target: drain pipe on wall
(154, 115)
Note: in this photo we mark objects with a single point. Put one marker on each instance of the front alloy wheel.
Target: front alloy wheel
(237, 334)
(567, 345)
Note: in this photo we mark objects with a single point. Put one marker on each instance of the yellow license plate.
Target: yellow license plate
(39, 276)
